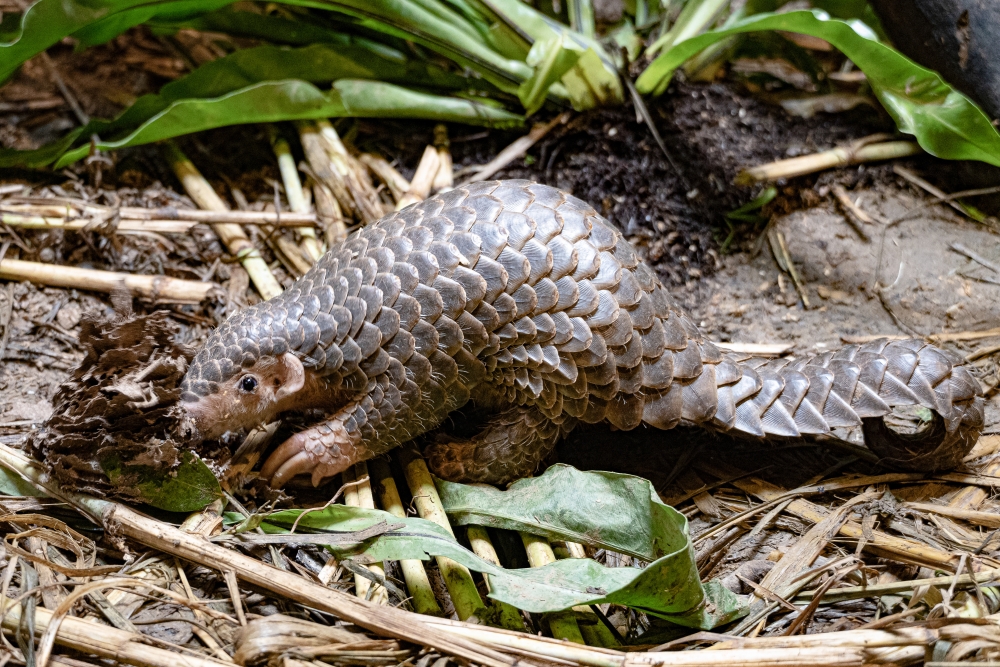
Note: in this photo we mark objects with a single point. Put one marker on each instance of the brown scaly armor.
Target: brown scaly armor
(523, 299)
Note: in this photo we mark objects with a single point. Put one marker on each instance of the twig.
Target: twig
(974, 256)
(231, 235)
(836, 157)
(788, 265)
(855, 214)
(72, 209)
(952, 201)
(163, 289)
(517, 148)
(64, 90)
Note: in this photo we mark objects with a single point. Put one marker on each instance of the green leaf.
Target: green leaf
(273, 101)
(944, 121)
(11, 484)
(189, 488)
(561, 503)
(108, 28)
(551, 60)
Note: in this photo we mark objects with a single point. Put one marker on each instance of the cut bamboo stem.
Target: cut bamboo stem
(444, 179)
(359, 494)
(395, 181)
(457, 578)
(423, 179)
(231, 235)
(382, 620)
(563, 626)
(482, 546)
(295, 194)
(596, 633)
(422, 597)
(328, 210)
(364, 198)
(161, 289)
(836, 157)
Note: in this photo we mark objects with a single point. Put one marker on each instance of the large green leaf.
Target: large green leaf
(273, 101)
(630, 518)
(944, 121)
(110, 27)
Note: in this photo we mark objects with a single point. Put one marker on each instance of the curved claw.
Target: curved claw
(323, 451)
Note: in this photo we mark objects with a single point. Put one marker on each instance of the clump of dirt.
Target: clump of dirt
(116, 408)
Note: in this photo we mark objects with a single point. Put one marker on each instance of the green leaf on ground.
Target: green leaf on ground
(188, 488)
(617, 512)
(11, 484)
(944, 121)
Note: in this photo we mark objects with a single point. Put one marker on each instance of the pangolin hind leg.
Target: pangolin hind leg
(512, 445)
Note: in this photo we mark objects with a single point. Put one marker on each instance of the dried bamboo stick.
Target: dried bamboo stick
(364, 199)
(162, 289)
(386, 621)
(420, 186)
(483, 547)
(329, 213)
(897, 587)
(359, 494)
(836, 157)
(294, 193)
(422, 597)
(444, 179)
(395, 181)
(988, 519)
(457, 578)
(72, 210)
(231, 235)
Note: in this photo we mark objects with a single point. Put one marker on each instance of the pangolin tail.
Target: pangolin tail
(857, 385)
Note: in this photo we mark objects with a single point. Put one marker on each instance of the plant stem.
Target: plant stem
(422, 597)
(482, 545)
(457, 578)
(293, 190)
(836, 157)
(563, 626)
(360, 495)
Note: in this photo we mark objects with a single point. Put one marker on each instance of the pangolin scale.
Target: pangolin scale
(523, 299)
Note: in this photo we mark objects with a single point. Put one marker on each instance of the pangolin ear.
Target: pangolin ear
(291, 375)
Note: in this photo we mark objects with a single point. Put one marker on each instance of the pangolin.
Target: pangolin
(525, 301)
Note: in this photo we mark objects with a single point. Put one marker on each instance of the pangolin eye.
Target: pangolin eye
(248, 383)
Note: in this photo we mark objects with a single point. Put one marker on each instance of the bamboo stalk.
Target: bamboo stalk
(422, 597)
(363, 195)
(162, 289)
(73, 209)
(596, 633)
(382, 620)
(420, 186)
(444, 179)
(294, 193)
(988, 519)
(120, 226)
(395, 181)
(836, 157)
(231, 235)
(359, 494)
(483, 547)
(563, 626)
(457, 578)
(329, 212)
